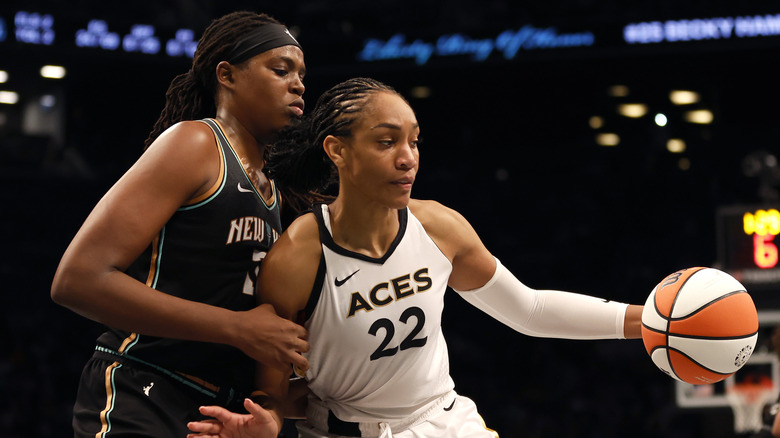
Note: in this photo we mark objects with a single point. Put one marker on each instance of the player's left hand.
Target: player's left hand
(259, 423)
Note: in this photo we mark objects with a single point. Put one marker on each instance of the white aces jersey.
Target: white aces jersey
(377, 349)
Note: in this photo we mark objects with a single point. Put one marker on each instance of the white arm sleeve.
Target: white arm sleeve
(547, 313)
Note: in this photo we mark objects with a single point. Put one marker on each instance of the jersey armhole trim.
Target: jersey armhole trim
(316, 290)
(219, 182)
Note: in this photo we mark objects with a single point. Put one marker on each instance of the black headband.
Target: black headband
(266, 37)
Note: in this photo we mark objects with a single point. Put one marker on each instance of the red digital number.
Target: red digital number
(764, 251)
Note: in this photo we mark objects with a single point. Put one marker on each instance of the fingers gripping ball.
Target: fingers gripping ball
(699, 325)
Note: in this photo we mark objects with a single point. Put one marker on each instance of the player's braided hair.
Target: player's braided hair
(297, 160)
(192, 95)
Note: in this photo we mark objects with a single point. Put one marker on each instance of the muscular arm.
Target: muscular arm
(285, 282)
(480, 280)
(90, 280)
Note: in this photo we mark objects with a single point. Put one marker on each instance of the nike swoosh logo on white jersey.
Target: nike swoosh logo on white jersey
(341, 282)
(241, 189)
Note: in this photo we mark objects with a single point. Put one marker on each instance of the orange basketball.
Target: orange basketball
(699, 325)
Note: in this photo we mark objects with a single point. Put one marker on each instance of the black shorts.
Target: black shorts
(122, 398)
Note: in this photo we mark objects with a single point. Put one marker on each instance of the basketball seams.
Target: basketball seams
(668, 350)
(655, 330)
(692, 360)
(677, 293)
(708, 338)
(667, 333)
(671, 308)
(702, 307)
(674, 341)
(682, 273)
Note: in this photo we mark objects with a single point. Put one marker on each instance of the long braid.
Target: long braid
(297, 160)
(192, 95)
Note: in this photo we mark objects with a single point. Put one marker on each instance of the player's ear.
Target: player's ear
(334, 147)
(224, 73)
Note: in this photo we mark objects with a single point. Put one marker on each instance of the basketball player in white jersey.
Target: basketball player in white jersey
(367, 274)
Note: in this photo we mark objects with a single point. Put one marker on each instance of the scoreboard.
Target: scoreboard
(748, 249)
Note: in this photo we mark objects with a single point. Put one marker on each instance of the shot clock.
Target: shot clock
(763, 225)
(749, 247)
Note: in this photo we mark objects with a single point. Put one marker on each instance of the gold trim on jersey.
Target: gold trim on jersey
(272, 200)
(269, 203)
(200, 381)
(109, 400)
(495, 434)
(128, 340)
(153, 261)
(218, 183)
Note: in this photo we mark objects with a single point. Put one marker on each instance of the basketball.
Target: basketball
(699, 325)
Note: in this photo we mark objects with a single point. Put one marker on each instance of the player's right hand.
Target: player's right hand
(226, 424)
(272, 340)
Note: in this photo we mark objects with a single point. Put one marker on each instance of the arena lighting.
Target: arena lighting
(596, 122)
(48, 101)
(675, 145)
(683, 97)
(9, 97)
(661, 119)
(34, 28)
(3, 76)
(702, 117)
(618, 91)
(53, 71)
(608, 139)
(183, 45)
(420, 92)
(633, 110)
(141, 39)
(97, 35)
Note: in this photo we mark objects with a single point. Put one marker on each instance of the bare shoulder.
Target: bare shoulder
(472, 263)
(188, 135)
(297, 248)
(304, 231)
(448, 228)
(435, 217)
(186, 156)
(185, 147)
(182, 163)
(290, 268)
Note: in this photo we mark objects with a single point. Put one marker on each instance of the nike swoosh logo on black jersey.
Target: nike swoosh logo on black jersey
(341, 282)
(243, 190)
(450, 406)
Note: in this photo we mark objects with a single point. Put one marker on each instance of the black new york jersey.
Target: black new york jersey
(209, 251)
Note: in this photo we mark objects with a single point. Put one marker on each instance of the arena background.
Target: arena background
(509, 141)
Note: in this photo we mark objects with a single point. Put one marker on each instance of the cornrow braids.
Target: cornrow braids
(192, 95)
(297, 161)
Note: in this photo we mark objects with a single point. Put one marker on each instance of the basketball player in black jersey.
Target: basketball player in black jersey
(168, 258)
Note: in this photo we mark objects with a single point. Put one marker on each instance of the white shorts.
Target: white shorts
(457, 418)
